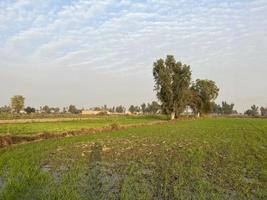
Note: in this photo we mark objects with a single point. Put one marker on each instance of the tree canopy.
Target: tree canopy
(224, 109)
(134, 109)
(205, 92)
(17, 103)
(263, 111)
(172, 81)
(253, 111)
(175, 90)
(72, 109)
(29, 110)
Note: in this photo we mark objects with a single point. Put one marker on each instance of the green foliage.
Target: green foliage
(134, 109)
(120, 109)
(5, 109)
(175, 91)
(72, 109)
(143, 107)
(263, 111)
(225, 108)
(153, 108)
(17, 103)
(253, 111)
(172, 81)
(29, 110)
(204, 92)
(216, 108)
(46, 109)
(220, 158)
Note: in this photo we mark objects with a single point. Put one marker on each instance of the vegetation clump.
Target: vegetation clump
(176, 91)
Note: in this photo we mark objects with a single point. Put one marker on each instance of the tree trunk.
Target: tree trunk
(172, 115)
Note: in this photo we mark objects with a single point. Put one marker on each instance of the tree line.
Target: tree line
(17, 105)
(175, 90)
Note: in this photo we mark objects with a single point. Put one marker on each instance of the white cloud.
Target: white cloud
(119, 36)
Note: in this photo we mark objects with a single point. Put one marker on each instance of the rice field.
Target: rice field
(210, 158)
(35, 126)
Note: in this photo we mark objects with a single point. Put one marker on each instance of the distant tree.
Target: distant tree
(224, 108)
(105, 107)
(5, 109)
(29, 110)
(263, 111)
(253, 111)
(227, 109)
(172, 81)
(112, 110)
(97, 109)
(143, 108)
(134, 109)
(131, 109)
(45, 109)
(120, 109)
(72, 109)
(248, 112)
(64, 110)
(153, 108)
(203, 92)
(56, 110)
(216, 108)
(17, 103)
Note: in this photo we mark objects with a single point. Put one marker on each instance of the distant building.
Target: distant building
(188, 111)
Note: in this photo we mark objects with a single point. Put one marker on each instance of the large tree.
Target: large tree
(172, 81)
(203, 93)
(17, 103)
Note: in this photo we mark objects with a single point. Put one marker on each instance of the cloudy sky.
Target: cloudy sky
(92, 52)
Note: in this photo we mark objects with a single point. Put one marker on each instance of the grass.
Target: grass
(193, 159)
(75, 124)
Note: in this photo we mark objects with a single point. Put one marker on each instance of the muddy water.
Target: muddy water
(56, 173)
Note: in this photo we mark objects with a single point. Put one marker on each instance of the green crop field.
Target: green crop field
(75, 124)
(213, 158)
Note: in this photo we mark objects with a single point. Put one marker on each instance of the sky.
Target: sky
(91, 52)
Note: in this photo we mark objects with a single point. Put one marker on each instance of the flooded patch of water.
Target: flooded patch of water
(56, 173)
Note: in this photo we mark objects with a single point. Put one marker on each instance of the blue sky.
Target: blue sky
(92, 53)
